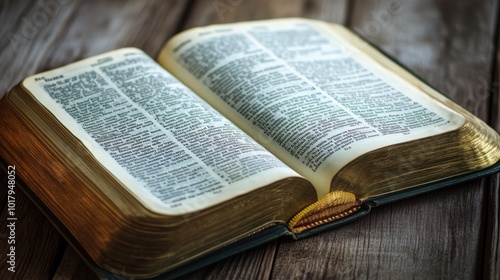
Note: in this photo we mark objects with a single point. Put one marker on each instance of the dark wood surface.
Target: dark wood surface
(447, 234)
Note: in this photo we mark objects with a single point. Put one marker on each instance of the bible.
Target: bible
(235, 135)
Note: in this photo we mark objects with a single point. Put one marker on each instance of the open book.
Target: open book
(237, 134)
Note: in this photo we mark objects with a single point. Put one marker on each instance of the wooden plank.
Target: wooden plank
(491, 267)
(438, 235)
(204, 12)
(38, 37)
(78, 29)
(491, 263)
(72, 266)
(27, 32)
(38, 246)
(252, 264)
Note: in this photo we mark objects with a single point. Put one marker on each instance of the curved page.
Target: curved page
(170, 149)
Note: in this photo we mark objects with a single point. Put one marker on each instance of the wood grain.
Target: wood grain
(73, 267)
(79, 29)
(205, 12)
(38, 246)
(256, 263)
(449, 234)
(491, 263)
(491, 259)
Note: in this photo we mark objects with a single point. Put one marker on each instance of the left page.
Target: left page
(170, 149)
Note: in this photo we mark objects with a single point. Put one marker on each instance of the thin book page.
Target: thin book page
(172, 151)
(303, 93)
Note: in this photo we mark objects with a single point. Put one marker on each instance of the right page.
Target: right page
(304, 93)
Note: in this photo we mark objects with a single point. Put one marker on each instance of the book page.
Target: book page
(165, 144)
(303, 93)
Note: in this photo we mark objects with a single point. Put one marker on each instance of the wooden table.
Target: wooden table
(452, 233)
